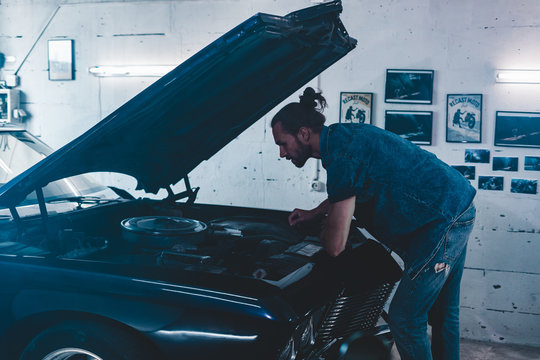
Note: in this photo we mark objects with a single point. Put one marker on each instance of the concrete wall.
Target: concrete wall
(463, 41)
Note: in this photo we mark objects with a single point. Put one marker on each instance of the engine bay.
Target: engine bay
(146, 233)
(237, 245)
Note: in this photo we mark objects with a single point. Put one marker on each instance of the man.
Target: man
(407, 198)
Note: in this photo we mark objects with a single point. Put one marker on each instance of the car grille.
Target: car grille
(352, 312)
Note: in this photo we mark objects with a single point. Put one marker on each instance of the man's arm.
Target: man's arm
(335, 234)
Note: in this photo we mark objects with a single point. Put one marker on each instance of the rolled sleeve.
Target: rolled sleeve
(344, 178)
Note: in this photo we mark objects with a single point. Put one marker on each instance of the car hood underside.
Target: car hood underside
(188, 115)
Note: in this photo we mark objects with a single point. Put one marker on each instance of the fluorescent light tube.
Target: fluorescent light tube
(518, 76)
(130, 70)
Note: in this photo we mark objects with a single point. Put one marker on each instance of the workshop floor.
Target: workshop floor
(478, 350)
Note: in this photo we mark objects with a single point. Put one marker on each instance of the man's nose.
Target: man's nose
(282, 152)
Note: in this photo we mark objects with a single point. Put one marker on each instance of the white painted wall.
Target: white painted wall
(463, 41)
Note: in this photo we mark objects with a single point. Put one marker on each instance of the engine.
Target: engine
(237, 245)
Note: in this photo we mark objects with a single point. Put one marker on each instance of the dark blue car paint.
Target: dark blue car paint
(175, 311)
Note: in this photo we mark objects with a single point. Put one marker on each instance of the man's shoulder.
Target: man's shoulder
(355, 133)
(353, 128)
(348, 140)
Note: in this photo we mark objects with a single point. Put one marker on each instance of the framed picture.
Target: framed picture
(491, 183)
(505, 163)
(60, 59)
(519, 129)
(532, 163)
(415, 126)
(464, 118)
(355, 107)
(409, 86)
(476, 156)
(524, 186)
(469, 172)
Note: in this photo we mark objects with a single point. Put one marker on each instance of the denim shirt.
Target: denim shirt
(405, 196)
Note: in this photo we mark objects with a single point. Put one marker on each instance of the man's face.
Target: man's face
(291, 147)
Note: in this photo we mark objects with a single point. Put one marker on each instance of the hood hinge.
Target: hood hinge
(190, 193)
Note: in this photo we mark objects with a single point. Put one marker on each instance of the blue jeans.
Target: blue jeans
(433, 296)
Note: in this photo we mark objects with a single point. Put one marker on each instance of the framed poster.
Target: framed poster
(60, 59)
(409, 86)
(415, 126)
(464, 118)
(532, 163)
(355, 107)
(469, 172)
(505, 163)
(517, 129)
(477, 156)
(524, 186)
(491, 183)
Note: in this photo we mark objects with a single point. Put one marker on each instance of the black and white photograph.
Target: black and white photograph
(469, 172)
(517, 129)
(491, 183)
(60, 59)
(532, 163)
(505, 163)
(464, 118)
(409, 86)
(355, 107)
(524, 186)
(476, 156)
(415, 126)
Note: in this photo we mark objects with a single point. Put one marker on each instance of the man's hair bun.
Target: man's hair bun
(295, 115)
(310, 98)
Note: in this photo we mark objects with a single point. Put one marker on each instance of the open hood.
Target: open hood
(202, 105)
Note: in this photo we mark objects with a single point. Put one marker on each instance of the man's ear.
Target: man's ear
(304, 134)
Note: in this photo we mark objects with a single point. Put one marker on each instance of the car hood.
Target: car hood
(189, 114)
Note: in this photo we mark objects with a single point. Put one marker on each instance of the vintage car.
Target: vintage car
(90, 272)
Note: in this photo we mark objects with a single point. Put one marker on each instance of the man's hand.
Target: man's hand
(300, 215)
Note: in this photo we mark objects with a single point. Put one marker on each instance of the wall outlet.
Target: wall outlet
(318, 186)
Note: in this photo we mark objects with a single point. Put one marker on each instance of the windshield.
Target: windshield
(19, 151)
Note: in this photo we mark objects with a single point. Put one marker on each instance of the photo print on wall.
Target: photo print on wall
(491, 183)
(524, 186)
(505, 163)
(532, 163)
(464, 118)
(409, 86)
(415, 126)
(60, 53)
(355, 107)
(476, 156)
(517, 129)
(468, 171)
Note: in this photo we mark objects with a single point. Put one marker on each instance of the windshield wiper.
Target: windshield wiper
(80, 200)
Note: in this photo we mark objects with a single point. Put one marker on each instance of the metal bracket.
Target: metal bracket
(190, 193)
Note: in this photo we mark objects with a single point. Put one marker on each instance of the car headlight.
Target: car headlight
(288, 352)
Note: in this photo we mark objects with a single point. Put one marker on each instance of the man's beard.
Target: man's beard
(304, 153)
